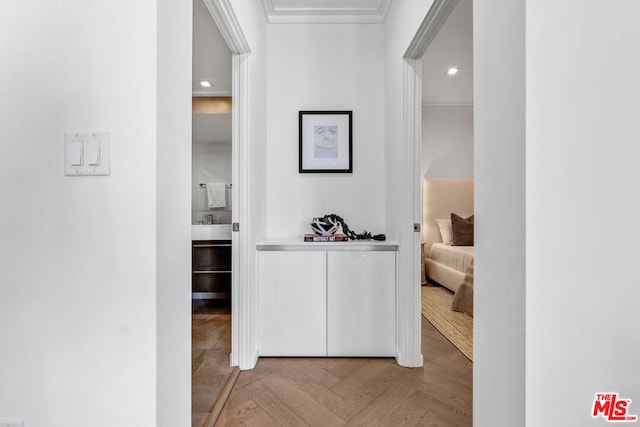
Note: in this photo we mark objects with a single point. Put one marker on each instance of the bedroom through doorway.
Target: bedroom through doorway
(446, 175)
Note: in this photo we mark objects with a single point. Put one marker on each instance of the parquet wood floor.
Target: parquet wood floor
(356, 392)
(210, 347)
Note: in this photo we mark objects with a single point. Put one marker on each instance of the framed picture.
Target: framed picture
(325, 142)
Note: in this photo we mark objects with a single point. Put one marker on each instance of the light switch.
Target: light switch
(11, 422)
(92, 152)
(77, 153)
(86, 153)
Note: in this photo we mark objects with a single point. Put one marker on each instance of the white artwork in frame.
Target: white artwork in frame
(325, 142)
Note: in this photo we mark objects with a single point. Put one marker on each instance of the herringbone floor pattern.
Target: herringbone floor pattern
(356, 392)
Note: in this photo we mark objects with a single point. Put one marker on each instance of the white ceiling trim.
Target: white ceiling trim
(326, 14)
(214, 92)
(447, 105)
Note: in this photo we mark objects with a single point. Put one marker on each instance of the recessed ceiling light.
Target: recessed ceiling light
(452, 71)
(206, 83)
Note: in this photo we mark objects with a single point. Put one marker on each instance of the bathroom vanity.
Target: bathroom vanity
(326, 299)
(211, 262)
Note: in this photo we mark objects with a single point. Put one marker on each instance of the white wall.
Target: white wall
(325, 67)
(582, 185)
(499, 317)
(447, 143)
(210, 163)
(77, 254)
(173, 249)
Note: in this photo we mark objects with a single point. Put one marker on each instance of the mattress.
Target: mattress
(456, 257)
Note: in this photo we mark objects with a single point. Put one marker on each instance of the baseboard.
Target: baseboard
(252, 360)
(401, 360)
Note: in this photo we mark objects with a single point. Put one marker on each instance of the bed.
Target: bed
(448, 263)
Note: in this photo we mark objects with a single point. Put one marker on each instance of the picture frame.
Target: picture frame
(325, 142)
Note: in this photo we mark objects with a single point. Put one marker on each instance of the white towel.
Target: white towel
(216, 195)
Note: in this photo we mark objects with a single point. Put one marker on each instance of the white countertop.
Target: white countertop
(211, 232)
(297, 244)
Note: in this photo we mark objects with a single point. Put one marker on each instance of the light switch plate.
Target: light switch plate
(86, 153)
(11, 422)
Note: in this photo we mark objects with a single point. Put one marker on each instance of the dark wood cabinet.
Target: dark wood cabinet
(211, 269)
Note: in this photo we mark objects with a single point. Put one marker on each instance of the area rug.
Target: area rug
(456, 327)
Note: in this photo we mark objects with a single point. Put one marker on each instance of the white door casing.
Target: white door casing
(408, 294)
(243, 317)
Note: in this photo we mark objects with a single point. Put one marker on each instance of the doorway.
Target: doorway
(438, 95)
(446, 177)
(211, 212)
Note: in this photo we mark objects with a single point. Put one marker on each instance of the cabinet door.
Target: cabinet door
(361, 303)
(292, 303)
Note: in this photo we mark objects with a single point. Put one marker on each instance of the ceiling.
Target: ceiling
(211, 61)
(211, 55)
(452, 46)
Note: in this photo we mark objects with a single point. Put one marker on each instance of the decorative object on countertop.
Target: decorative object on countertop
(335, 219)
(325, 139)
(333, 238)
(325, 226)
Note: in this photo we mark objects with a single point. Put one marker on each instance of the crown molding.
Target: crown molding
(327, 14)
(325, 19)
(447, 105)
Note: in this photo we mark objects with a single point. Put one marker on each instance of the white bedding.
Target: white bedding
(456, 257)
(447, 264)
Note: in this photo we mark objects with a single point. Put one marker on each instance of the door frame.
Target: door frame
(409, 265)
(224, 17)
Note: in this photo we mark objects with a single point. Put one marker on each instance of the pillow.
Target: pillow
(445, 230)
(461, 230)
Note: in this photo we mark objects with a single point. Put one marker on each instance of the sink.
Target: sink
(211, 232)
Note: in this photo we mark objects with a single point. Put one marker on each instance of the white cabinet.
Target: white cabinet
(292, 304)
(361, 303)
(326, 302)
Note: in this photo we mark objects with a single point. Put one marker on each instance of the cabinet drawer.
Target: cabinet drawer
(211, 282)
(211, 256)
